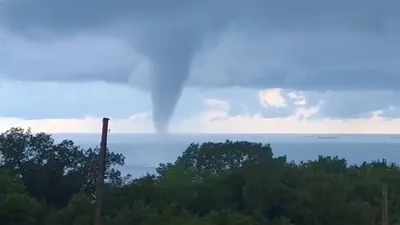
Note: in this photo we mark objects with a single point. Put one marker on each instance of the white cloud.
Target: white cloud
(297, 97)
(272, 97)
(216, 119)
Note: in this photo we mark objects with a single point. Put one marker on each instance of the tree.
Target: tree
(79, 211)
(238, 183)
(53, 172)
(16, 207)
(215, 158)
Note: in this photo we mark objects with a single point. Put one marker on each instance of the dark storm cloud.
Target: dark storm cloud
(77, 15)
(306, 61)
(305, 45)
(76, 59)
(166, 32)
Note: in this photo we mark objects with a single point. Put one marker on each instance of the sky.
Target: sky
(227, 66)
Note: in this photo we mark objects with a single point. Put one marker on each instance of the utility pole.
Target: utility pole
(384, 205)
(101, 171)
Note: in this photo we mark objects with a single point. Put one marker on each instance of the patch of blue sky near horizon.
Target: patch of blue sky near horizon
(241, 100)
(269, 103)
(353, 104)
(78, 100)
(215, 118)
(41, 100)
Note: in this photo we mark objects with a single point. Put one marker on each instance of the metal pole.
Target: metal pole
(384, 205)
(101, 171)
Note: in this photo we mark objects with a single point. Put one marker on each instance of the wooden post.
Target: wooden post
(101, 171)
(384, 205)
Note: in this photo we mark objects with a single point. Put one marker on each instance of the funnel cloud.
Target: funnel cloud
(166, 91)
(171, 53)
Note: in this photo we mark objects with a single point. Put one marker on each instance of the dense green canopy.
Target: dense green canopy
(232, 183)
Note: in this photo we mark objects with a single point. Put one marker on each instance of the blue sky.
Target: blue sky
(226, 66)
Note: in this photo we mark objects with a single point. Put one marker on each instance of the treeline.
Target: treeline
(230, 183)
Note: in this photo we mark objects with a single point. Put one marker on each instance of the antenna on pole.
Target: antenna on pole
(101, 171)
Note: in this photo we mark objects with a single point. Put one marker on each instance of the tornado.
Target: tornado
(171, 53)
(167, 82)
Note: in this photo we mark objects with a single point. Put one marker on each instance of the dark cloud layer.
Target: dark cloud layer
(319, 45)
(78, 15)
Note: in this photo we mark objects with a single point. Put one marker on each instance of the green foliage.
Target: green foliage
(21, 209)
(78, 212)
(53, 172)
(232, 183)
(9, 184)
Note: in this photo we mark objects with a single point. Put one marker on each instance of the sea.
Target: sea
(144, 152)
